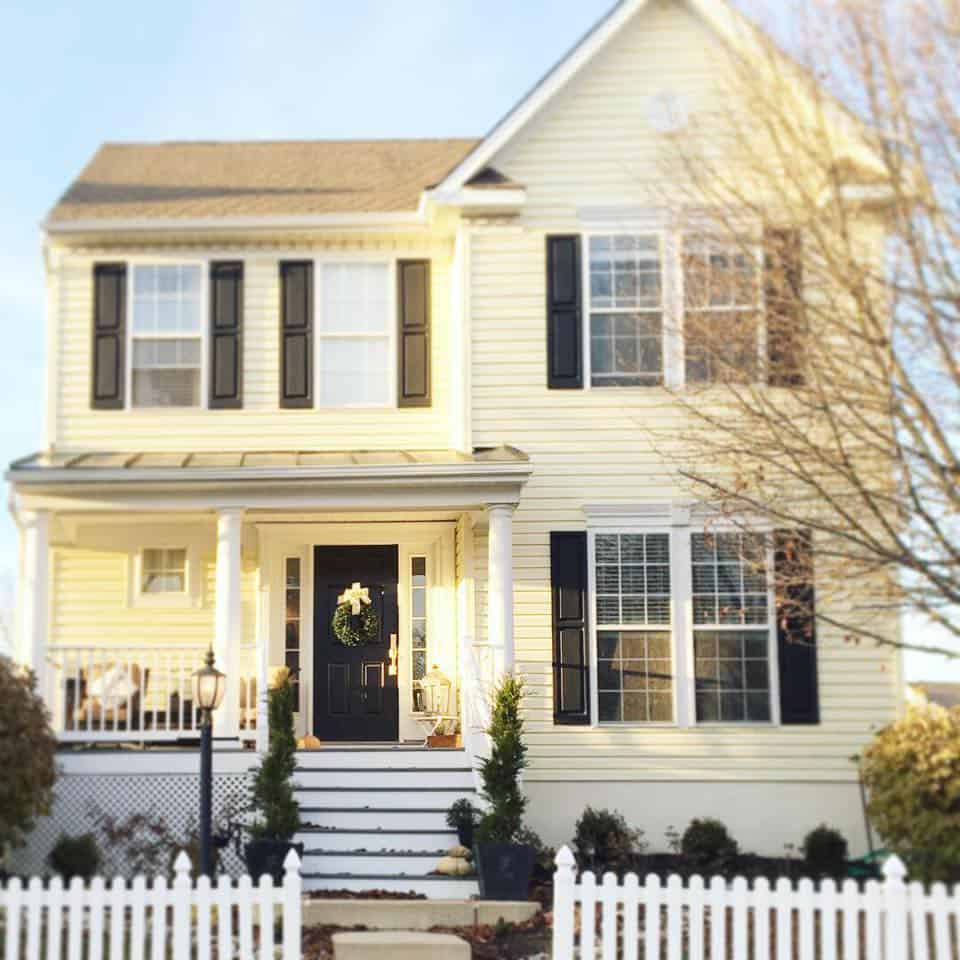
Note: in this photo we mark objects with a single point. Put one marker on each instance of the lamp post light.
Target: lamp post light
(208, 688)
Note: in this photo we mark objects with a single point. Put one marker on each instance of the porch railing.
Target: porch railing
(140, 693)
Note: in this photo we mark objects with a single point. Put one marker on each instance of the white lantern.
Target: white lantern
(436, 688)
(209, 685)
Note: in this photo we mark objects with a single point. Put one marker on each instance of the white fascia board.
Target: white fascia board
(481, 200)
(412, 218)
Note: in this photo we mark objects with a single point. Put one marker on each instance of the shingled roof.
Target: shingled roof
(257, 178)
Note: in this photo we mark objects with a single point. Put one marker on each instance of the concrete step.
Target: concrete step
(354, 818)
(399, 945)
(373, 797)
(414, 914)
(386, 863)
(421, 841)
(433, 886)
(380, 757)
(411, 777)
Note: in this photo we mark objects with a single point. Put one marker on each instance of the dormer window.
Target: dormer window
(166, 334)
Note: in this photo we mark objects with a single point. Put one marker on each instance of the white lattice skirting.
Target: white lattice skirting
(79, 799)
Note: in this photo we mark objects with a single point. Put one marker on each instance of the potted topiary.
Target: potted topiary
(462, 817)
(504, 864)
(276, 814)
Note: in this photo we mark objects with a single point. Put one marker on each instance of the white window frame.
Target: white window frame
(190, 596)
(204, 264)
(363, 257)
(675, 521)
(606, 222)
(663, 251)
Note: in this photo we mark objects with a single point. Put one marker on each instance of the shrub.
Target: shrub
(75, 856)
(912, 772)
(276, 811)
(500, 772)
(27, 754)
(603, 840)
(708, 846)
(462, 816)
(825, 852)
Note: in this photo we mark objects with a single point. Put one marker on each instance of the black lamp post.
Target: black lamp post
(208, 688)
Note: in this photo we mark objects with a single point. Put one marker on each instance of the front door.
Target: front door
(356, 695)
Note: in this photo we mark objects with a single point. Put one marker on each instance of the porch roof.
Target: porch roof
(57, 468)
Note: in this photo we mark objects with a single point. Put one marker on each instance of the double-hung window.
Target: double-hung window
(355, 360)
(721, 311)
(166, 332)
(715, 657)
(634, 657)
(625, 302)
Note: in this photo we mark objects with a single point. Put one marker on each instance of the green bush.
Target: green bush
(912, 773)
(500, 772)
(825, 852)
(27, 754)
(462, 815)
(603, 840)
(275, 809)
(708, 846)
(75, 856)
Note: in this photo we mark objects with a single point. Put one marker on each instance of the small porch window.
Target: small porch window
(164, 571)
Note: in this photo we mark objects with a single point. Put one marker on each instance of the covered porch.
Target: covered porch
(132, 565)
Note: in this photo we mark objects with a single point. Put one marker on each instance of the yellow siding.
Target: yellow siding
(592, 147)
(261, 425)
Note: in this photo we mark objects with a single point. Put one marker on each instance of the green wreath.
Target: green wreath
(356, 630)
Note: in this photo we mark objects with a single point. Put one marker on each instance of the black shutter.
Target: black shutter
(564, 323)
(571, 660)
(296, 333)
(226, 335)
(783, 295)
(413, 320)
(109, 334)
(796, 627)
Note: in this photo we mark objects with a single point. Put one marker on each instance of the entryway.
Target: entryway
(355, 675)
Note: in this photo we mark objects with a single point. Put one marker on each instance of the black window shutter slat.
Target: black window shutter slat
(109, 336)
(413, 335)
(571, 660)
(564, 314)
(296, 333)
(783, 295)
(226, 335)
(796, 627)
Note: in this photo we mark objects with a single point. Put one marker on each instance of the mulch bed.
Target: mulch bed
(362, 895)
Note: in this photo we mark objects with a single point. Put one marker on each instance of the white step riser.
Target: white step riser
(374, 819)
(434, 889)
(369, 759)
(377, 840)
(383, 799)
(422, 778)
(386, 865)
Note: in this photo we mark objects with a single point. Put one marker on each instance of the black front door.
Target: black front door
(356, 697)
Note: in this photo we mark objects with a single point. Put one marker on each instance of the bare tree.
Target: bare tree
(820, 226)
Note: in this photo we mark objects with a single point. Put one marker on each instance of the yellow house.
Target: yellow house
(369, 410)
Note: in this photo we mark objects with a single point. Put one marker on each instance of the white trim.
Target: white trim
(413, 218)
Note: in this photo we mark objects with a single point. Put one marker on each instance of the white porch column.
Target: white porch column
(228, 622)
(34, 599)
(500, 584)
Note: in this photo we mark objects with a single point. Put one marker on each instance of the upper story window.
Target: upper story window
(166, 333)
(721, 311)
(625, 310)
(354, 335)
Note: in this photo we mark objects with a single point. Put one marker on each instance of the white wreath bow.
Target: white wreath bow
(355, 596)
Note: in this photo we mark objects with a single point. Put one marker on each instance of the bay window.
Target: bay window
(166, 330)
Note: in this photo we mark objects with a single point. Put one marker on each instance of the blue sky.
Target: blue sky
(73, 75)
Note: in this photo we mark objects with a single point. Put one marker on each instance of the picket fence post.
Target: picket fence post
(895, 909)
(182, 895)
(564, 884)
(292, 906)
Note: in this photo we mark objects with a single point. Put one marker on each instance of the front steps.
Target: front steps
(375, 818)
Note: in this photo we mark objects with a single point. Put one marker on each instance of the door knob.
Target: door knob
(392, 669)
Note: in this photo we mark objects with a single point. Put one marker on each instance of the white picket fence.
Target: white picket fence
(181, 921)
(892, 920)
